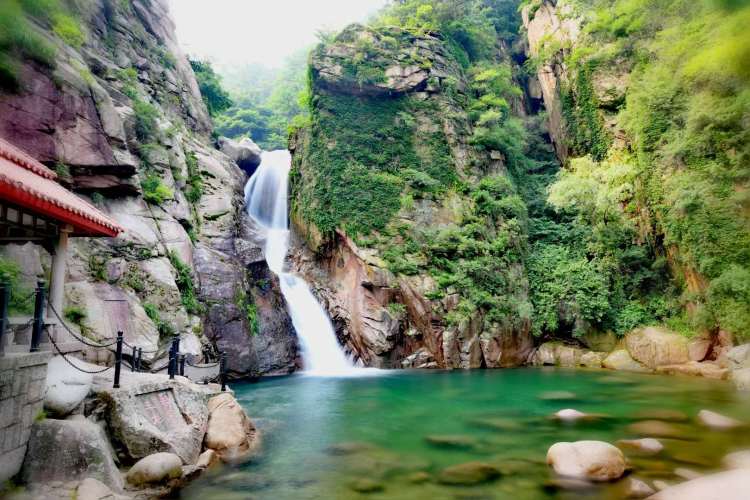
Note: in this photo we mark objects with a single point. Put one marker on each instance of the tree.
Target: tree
(216, 98)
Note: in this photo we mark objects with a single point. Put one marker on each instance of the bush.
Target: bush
(21, 300)
(145, 120)
(154, 191)
(75, 315)
(185, 284)
(215, 97)
(69, 30)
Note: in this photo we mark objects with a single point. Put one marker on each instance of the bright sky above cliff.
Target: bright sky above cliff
(237, 32)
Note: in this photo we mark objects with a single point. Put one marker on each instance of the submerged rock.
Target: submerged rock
(717, 421)
(458, 441)
(469, 473)
(636, 488)
(365, 485)
(645, 446)
(589, 460)
(657, 428)
(729, 485)
(570, 415)
(662, 414)
(558, 396)
(155, 468)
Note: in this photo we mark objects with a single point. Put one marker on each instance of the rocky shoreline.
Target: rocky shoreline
(146, 439)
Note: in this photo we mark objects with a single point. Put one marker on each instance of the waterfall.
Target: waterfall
(266, 199)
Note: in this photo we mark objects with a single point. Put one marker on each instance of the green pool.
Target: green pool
(389, 437)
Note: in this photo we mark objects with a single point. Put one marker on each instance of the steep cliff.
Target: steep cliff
(116, 110)
(404, 210)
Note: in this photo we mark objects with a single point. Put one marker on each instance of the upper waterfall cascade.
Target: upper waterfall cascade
(266, 196)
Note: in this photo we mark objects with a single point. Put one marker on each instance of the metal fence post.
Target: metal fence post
(36, 333)
(182, 365)
(173, 356)
(223, 371)
(118, 360)
(139, 359)
(4, 301)
(132, 359)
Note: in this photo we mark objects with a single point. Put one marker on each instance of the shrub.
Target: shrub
(75, 315)
(21, 300)
(69, 30)
(145, 120)
(155, 191)
(184, 280)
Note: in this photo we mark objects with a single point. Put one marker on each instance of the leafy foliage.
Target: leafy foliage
(155, 191)
(21, 300)
(215, 97)
(185, 284)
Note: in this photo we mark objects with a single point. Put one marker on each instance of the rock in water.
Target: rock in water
(230, 432)
(590, 460)
(569, 415)
(729, 485)
(737, 460)
(469, 473)
(244, 152)
(457, 442)
(155, 468)
(66, 387)
(717, 421)
(66, 450)
(658, 428)
(638, 489)
(365, 485)
(645, 446)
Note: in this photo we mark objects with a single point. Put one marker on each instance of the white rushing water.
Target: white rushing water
(266, 196)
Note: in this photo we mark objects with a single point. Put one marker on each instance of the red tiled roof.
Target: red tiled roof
(29, 184)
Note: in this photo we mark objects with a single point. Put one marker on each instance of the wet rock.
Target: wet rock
(570, 484)
(589, 460)
(645, 446)
(621, 360)
(421, 358)
(66, 387)
(687, 474)
(458, 442)
(155, 468)
(349, 448)
(661, 485)
(418, 477)
(657, 428)
(207, 459)
(728, 485)
(636, 488)
(469, 473)
(364, 485)
(696, 369)
(65, 450)
(737, 460)
(738, 357)
(717, 421)
(570, 415)
(230, 432)
(557, 354)
(498, 424)
(654, 347)
(593, 359)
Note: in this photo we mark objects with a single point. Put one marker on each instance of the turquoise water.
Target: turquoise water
(389, 437)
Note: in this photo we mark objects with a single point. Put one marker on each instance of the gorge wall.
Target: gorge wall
(458, 203)
(115, 109)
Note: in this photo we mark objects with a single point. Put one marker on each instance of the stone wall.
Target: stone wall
(21, 399)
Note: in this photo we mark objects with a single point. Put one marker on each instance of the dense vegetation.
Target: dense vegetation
(630, 232)
(19, 42)
(265, 102)
(675, 198)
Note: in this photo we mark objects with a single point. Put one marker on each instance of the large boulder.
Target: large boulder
(739, 357)
(729, 485)
(66, 450)
(230, 432)
(558, 354)
(741, 378)
(151, 413)
(589, 460)
(244, 152)
(621, 360)
(654, 347)
(155, 468)
(66, 387)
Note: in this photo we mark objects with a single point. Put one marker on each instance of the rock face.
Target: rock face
(654, 347)
(621, 360)
(64, 450)
(244, 152)
(118, 115)
(589, 460)
(385, 318)
(230, 432)
(155, 468)
(66, 387)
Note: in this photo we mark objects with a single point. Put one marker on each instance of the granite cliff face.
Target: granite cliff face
(122, 120)
(377, 167)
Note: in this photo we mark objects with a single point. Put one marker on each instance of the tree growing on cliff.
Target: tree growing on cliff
(216, 98)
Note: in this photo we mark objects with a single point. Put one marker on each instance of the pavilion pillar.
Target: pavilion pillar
(57, 278)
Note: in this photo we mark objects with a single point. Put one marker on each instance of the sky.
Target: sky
(238, 32)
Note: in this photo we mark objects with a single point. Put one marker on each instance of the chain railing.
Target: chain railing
(175, 364)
